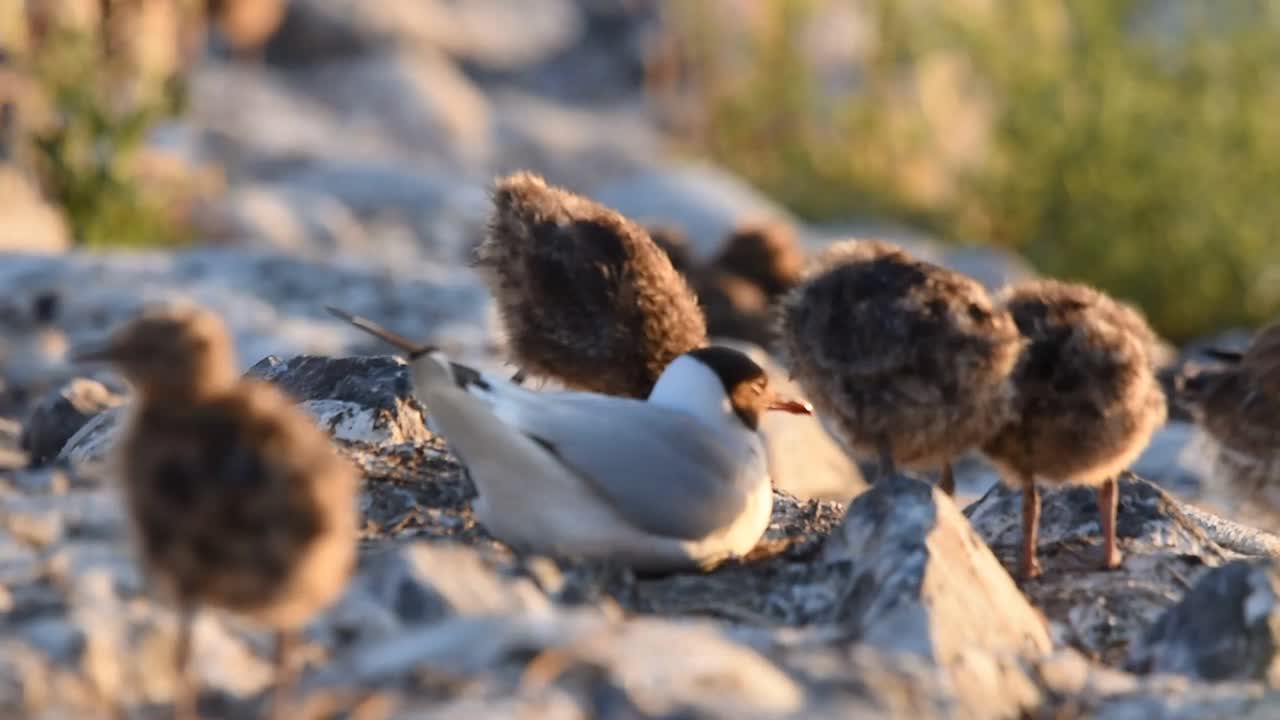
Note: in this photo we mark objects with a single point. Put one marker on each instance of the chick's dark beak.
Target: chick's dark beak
(795, 407)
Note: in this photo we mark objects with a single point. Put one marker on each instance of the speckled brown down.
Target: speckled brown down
(238, 501)
(906, 359)
(1087, 399)
(765, 253)
(734, 306)
(676, 246)
(585, 295)
(1238, 405)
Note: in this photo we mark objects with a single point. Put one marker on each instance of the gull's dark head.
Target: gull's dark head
(745, 384)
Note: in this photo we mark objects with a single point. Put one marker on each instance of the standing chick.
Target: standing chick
(907, 359)
(1239, 406)
(586, 296)
(1087, 400)
(238, 501)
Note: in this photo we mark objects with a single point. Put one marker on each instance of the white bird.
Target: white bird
(675, 482)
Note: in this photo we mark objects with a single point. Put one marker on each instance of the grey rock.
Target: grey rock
(367, 186)
(283, 218)
(364, 399)
(429, 582)
(252, 120)
(1101, 612)
(416, 98)
(1233, 536)
(60, 415)
(1223, 629)
(272, 303)
(572, 147)
(489, 33)
(33, 357)
(922, 581)
(11, 455)
(703, 200)
(357, 399)
(1172, 461)
(94, 440)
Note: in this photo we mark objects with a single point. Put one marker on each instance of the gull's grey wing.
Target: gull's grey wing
(660, 469)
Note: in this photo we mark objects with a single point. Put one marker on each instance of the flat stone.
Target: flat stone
(1225, 628)
(58, 416)
(922, 581)
(1100, 612)
(359, 399)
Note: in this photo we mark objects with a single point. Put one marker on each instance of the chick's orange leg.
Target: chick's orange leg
(1030, 566)
(1108, 504)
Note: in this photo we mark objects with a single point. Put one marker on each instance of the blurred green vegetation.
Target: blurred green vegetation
(86, 154)
(1117, 142)
(86, 138)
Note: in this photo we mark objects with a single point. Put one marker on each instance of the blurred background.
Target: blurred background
(1130, 144)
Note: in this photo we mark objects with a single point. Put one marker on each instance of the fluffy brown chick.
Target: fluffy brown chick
(906, 359)
(586, 296)
(237, 499)
(1238, 405)
(1087, 400)
(674, 243)
(736, 289)
(765, 253)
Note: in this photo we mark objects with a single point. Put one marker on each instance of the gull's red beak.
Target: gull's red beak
(795, 407)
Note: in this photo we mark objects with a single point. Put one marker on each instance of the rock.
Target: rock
(419, 100)
(360, 399)
(58, 416)
(569, 146)
(258, 123)
(429, 582)
(921, 580)
(1225, 628)
(33, 348)
(607, 66)
(595, 659)
(704, 201)
(242, 26)
(282, 219)
(94, 440)
(804, 459)
(489, 33)
(27, 223)
(1172, 461)
(1100, 612)
(272, 303)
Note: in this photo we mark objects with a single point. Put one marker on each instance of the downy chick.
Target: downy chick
(586, 296)
(907, 359)
(237, 499)
(1087, 400)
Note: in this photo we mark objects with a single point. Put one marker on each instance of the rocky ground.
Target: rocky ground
(356, 157)
(898, 605)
